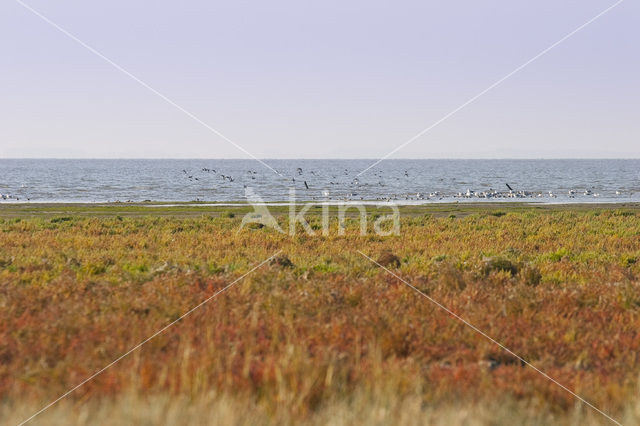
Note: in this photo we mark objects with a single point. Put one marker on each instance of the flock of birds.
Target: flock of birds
(572, 193)
(10, 197)
(350, 189)
(347, 190)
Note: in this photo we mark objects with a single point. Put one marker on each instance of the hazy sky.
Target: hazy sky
(314, 79)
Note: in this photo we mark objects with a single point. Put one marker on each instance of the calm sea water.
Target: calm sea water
(406, 181)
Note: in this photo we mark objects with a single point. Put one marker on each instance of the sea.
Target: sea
(400, 181)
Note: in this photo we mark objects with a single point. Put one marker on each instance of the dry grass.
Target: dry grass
(359, 409)
(330, 338)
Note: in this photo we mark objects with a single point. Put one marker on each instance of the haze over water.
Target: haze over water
(403, 181)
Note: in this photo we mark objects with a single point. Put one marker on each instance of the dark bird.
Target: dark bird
(305, 184)
(510, 188)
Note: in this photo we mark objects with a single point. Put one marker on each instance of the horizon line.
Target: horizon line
(323, 158)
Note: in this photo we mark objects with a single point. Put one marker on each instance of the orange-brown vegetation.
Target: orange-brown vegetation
(322, 326)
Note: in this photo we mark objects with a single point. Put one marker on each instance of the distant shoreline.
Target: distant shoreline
(399, 203)
(194, 209)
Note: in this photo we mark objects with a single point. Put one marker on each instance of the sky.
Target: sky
(319, 79)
